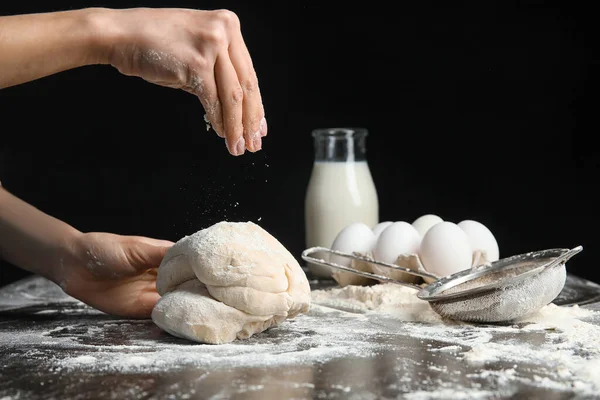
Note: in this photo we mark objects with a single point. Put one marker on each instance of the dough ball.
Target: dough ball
(190, 312)
(243, 281)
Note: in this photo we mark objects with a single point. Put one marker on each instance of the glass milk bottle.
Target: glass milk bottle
(340, 190)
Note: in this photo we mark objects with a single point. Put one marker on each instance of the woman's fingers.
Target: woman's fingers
(253, 118)
(202, 52)
(231, 96)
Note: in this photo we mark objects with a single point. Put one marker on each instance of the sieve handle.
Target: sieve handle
(564, 257)
(306, 257)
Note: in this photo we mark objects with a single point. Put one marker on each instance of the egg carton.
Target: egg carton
(411, 261)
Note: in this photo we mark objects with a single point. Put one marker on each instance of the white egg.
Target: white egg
(356, 237)
(398, 238)
(425, 222)
(481, 238)
(445, 249)
(377, 229)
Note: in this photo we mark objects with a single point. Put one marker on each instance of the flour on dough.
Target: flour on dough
(230, 280)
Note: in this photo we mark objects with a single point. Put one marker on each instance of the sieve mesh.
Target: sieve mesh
(504, 303)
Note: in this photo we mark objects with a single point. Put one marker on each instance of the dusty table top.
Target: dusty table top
(54, 347)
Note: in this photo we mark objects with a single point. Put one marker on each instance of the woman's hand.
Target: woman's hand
(201, 52)
(113, 273)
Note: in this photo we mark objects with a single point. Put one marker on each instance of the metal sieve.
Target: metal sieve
(500, 291)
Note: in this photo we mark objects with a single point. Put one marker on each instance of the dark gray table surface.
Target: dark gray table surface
(54, 347)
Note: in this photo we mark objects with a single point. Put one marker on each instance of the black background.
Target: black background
(482, 110)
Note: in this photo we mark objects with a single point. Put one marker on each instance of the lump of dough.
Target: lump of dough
(230, 280)
(191, 313)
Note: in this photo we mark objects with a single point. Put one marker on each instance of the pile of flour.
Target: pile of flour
(391, 299)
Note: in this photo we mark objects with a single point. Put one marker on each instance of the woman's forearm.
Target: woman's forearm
(33, 240)
(33, 46)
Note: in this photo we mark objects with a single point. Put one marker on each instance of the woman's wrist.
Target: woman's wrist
(67, 255)
(102, 33)
(35, 241)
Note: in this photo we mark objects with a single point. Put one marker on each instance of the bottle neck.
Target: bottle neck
(340, 145)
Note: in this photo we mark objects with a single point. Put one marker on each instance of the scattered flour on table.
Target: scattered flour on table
(557, 349)
(80, 360)
(570, 351)
(565, 357)
(308, 339)
(33, 291)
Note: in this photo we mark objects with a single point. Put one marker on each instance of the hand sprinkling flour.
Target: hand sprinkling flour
(201, 52)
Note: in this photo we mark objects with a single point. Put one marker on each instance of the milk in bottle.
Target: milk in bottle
(340, 190)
